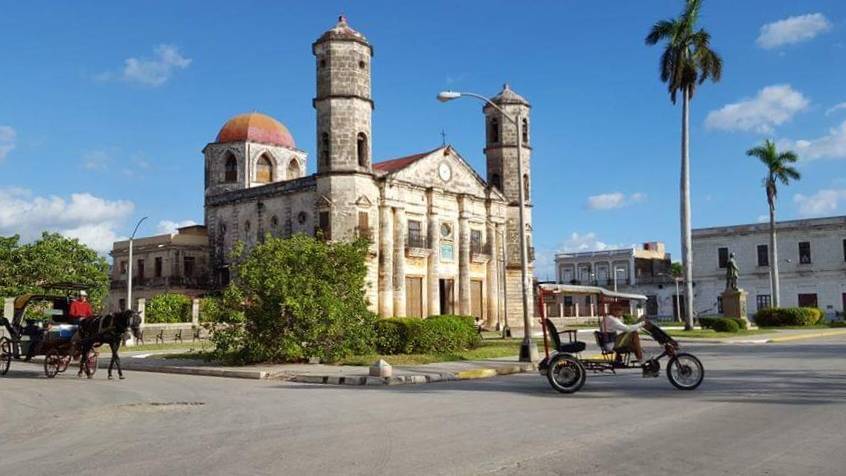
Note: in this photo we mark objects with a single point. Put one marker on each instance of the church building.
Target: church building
(444, 239)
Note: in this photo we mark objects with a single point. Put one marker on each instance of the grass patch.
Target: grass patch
(712, 334)
(489, 349)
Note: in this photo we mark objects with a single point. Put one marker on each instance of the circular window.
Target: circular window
(274, 222)
(302, 217)
(446, 230)
(361, 64)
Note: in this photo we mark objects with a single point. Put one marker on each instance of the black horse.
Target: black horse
(109, 329)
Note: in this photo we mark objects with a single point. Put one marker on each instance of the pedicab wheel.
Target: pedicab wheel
(566, 374)
(91, 364)
(52, 363)
(685, 371)
(5, 355)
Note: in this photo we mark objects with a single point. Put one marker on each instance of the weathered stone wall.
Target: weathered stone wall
(288, 164)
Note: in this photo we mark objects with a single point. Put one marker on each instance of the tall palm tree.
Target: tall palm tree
(687, 62)
(778, 170)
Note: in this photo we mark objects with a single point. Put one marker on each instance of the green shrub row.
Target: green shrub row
(722, 324)
(788, 316)
(435, 334)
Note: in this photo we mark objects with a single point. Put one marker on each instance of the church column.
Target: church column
(386, 261)
(463, 259)
(434, 261)
(493, 282)
(399, 262)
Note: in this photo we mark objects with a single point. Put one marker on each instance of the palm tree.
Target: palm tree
(687, 61)
(778, 170)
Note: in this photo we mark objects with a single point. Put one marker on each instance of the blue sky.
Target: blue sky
(105, 106)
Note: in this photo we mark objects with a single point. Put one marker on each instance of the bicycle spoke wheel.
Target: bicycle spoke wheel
(685, 371)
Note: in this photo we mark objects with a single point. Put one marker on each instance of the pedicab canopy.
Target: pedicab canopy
(570, 300)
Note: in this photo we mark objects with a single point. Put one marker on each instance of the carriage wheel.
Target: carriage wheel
(52, 363)
(566, 374)
(685, 371)
(91, 364)
(5, 355)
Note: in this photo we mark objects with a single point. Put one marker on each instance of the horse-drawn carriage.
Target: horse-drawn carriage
(41, 326)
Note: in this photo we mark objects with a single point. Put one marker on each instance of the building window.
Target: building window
(324, 151)
(140, 267)
(722, 257)
(493, 131)
(364, 225)
(476, 242)
(264, 170)
(763, 255)
(302, 217)
(274, 222)
(122, 304)
(720, 304)
(158, 267)
(361, 149)
(808, 300)
(496, 181)
(763, 301)
(123, 267)
(651, 305)
(230, 173)
(324, 225)
(247, 226)
(415, 234)
(525, 186)
(293, 169)
(805, 252)
(525, 131)
(844, 254)
(188, 264)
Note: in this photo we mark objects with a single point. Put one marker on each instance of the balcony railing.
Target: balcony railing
(364, 232)
(416, 241)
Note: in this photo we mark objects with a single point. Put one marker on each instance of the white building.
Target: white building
(812, 264)
(643, 270)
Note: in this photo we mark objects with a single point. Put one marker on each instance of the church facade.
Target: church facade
(443, 238)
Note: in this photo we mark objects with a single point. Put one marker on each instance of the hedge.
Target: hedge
(435, 334)
(721, 324)
(788, 316)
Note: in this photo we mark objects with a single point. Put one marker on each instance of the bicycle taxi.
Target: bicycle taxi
(40, 326)
(566, 369)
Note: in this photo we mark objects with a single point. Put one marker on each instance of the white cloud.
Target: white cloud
(96, 160)
(584, 242)
(763, 218)
(773, 106)
(835, 108)
(7, 141)
(824, 202)
(150, 71)
(792, 30)
(93, 220)
(610, 201)
(829, 146)
(169, 227)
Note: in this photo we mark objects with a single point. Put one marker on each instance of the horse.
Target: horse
(107, 329)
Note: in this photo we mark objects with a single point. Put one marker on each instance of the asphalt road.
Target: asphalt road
(763, 409)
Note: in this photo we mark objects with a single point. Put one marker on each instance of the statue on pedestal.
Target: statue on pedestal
(732, 272)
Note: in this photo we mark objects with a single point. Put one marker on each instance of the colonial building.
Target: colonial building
(645, 270)
(175, 262)
(812, 264)
(444, 238)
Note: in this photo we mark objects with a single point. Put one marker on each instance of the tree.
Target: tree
(676, 269)
(168, 308)
(687, 61)
(51, 259)
(297, 298)
(778, 170)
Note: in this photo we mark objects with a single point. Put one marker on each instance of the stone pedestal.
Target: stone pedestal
(734, 304)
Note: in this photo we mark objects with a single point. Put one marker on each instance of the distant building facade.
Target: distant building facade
(812, 264)
(175, 263)
(642, 270)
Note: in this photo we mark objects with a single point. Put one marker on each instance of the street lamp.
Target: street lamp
(129, 268)
(528, 349)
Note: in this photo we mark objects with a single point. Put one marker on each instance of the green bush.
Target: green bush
(435, 334)
(725, 325)
(788, 316)
(168, 308)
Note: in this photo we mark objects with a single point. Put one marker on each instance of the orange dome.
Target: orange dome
(255, 127)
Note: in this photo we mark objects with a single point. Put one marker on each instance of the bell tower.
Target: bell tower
(343, 102)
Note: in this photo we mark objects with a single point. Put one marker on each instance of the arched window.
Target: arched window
(230, 169)
(496, 181)
(264, 169)
(526, 186)
(493, 131)
(324, 151)
(293, 169)
(525, 131)
(361, 149)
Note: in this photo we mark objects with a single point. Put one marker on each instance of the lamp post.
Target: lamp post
(528, 349)
(129, 267)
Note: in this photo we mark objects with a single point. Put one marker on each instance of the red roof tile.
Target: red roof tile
(400, 163)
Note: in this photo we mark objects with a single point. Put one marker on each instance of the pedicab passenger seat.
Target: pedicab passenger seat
(572, 346)
(605, 341)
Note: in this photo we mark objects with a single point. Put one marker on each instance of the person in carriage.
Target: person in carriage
(80, 308)
(627, 340)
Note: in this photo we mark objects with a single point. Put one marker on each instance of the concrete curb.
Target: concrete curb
(206, 372)
(470, 374)
(806, 336)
